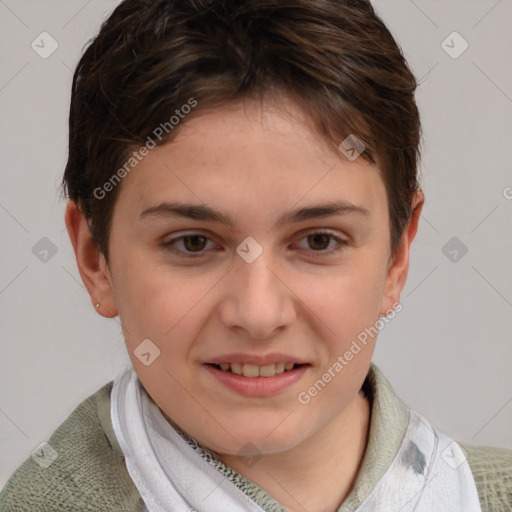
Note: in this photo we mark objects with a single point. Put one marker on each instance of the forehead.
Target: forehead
(248, 152)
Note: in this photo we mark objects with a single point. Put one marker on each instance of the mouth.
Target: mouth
(266, 379)
(253, 370)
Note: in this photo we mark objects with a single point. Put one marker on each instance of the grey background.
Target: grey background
(448, 353)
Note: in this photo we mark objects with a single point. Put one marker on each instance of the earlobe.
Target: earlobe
(399, 266)
(90, 262)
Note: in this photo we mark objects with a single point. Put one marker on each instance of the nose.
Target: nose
(257, 299)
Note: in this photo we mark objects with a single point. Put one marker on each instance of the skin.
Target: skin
(253, 162)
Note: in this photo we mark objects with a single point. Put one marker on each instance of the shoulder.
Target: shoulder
(492, 471)
(88, 472)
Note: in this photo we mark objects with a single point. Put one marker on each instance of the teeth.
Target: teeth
(268, 371)
(236, 368)
(280, 367)
(253, 370)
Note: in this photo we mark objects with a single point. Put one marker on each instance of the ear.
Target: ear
(399, 264)
(91, 263)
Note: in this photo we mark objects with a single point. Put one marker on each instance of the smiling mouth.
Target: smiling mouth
(253, 370)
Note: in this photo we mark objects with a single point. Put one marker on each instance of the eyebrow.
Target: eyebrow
(203, 212)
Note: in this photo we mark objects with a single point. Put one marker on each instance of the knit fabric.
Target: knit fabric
(89, 473)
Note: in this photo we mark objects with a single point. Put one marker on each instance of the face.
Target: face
(247, 242)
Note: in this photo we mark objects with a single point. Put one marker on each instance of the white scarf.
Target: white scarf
(428, 474)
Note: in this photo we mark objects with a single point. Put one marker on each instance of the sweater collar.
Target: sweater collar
(388, 423)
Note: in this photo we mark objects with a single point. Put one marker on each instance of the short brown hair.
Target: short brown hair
(334, 57)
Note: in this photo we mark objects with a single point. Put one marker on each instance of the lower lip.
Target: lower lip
(258, 386)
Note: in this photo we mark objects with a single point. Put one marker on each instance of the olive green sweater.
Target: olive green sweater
(89, 473)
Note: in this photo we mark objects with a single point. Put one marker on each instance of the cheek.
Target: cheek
(157, 303)
(347, 304)
(142, 295)
(347, 299)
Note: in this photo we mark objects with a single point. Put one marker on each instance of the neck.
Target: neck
(319, 473)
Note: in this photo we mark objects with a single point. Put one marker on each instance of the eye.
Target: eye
(189, 245)
(322, 242)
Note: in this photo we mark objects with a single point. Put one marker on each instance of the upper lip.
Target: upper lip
(259, 360)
